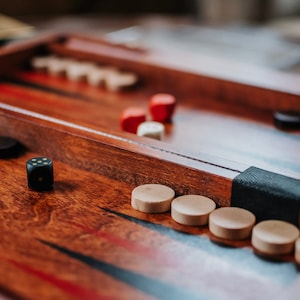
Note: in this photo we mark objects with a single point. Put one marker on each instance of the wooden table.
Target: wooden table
(82, 239)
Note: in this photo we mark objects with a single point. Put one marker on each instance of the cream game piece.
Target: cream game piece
(96, 75)
(192, 210)
(152, 198)
(57, 66)
(274, 237)
(76, 70)
(151, 129)
(40, 63)
(117, 80)
(297, 251)
(231, 223)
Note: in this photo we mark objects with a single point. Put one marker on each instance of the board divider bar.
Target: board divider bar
(117, 157)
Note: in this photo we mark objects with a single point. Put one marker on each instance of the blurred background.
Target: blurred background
(261, 32)
(208, 10)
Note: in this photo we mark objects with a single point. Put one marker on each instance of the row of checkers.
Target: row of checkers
(109, 77)
(270, 238)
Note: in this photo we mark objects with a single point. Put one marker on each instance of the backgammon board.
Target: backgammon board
(83, 239)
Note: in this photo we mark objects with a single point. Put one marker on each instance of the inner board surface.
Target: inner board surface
(202, 124)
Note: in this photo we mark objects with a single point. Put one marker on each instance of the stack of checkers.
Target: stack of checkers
(109, 77)
(270, 238)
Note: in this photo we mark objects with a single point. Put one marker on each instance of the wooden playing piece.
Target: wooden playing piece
(287, 119)
(152, 198)
(96, 75)
(297, 251)
(9, 147)
(274, 237)
(41, 63)
(58, 66)
(51, 64)
(151, 129)
(131, 118)
(231, 223)
(117, 80)
(78, 70)
(162, 107)
(192, 210)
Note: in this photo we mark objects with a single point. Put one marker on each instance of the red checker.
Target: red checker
(162, 107)
(131, 118)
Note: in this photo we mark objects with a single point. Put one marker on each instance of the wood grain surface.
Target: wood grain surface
(82, 240)
(203, 123)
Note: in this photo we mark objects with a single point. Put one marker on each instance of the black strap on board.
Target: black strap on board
(268, 195)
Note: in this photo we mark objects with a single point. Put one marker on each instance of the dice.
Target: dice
(40, 173)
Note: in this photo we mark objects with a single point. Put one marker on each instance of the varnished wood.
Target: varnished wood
(200, 124)
(83, 239)
(255, 103)
(72, 217)
(228, 81)
(108, 154)
(221, 159)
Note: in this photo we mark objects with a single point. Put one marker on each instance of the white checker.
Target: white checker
(151, 129)
(297, 251)
(57, 66)
(118, 80)
(152, 198)
(232, 223)
(192, 210)
(96, 75)
(274, 237)
(76, 71)
(40, 63)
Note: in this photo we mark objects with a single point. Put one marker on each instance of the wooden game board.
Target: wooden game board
(83, 240)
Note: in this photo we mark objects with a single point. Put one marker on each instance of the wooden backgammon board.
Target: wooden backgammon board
(82, 239)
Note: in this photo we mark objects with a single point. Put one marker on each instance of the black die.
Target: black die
(40, 173)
